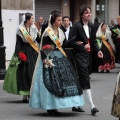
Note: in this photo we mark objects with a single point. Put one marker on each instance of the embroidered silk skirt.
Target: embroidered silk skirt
(43, 97)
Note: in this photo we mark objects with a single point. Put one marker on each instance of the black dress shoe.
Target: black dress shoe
(53, 112)
(94, 111)
(25, 101)
(102, 71)
(107, 71)
(50, 112)
(79, 109)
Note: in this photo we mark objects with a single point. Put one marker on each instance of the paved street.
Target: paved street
(102, 84)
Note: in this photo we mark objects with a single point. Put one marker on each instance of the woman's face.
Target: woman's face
(31, 21)
(103, 28)
(58, 22)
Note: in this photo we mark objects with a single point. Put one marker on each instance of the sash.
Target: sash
(108, 46)
(55, 39)
(29, 39)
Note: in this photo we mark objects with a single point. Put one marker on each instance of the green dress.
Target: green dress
(10, 82)
(18, 77)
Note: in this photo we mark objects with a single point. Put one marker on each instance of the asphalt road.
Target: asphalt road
(102, 86)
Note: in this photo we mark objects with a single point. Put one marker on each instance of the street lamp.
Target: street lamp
(2, 50)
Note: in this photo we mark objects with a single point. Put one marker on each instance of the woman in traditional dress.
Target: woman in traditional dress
(55, 83)
(20, 71)
(105, 43)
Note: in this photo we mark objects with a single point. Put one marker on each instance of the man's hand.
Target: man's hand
(87, 47)
(100, 54)
(79, 42)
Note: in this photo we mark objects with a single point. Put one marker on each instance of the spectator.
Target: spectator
(112, 23)
(39, 24)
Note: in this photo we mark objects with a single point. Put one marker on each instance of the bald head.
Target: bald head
(40, 20)
(118, 20)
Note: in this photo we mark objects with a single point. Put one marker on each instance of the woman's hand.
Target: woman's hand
(100, 54)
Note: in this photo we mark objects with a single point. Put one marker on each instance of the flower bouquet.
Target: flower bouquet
(47, 50)
(22, 56)
(117, 31)
(99, 43)
(18, 59)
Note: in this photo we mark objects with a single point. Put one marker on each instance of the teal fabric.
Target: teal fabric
(41, 98)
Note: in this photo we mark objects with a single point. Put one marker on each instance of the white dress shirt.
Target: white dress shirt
(86, 28)
(67, 32)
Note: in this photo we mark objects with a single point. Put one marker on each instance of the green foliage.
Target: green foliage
(16, 61)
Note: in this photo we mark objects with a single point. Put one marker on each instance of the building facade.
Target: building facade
(105, 10)
(12, 10)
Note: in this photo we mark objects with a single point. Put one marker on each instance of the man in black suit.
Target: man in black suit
(66, 29)
(82, 40)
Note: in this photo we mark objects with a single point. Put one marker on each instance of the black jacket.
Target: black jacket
(77, 33)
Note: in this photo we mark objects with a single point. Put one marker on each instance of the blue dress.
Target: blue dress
(41, 98)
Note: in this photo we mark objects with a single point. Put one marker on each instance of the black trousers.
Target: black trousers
(83, 69)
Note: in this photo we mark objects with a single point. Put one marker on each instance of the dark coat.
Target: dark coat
(67, 49)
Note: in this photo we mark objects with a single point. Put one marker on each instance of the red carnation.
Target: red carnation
(46, 47)
(22, 56)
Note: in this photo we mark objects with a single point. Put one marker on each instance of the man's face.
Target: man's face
(87, 15)
(40, 20)
(66, 22)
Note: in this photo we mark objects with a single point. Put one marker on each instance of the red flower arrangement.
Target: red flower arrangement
(47, 50)
(47, 47)
(22, 56)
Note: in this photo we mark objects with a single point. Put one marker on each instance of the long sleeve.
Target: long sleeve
(19, 43)
(73, 38)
